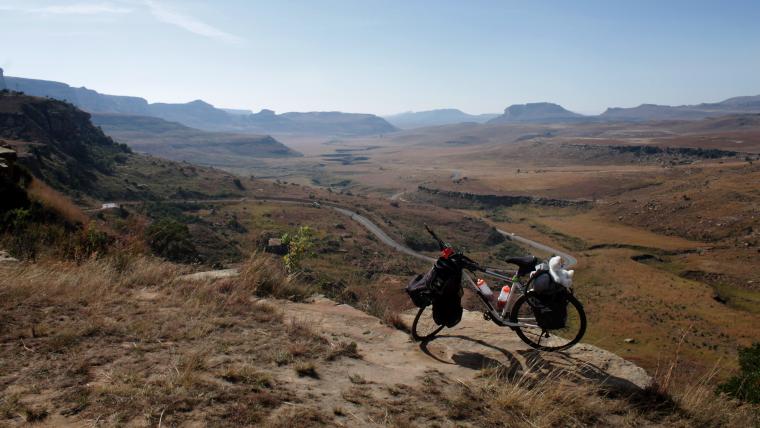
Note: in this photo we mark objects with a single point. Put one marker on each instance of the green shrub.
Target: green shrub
(419, 242)
(746, 384)
(299, 247)
(171, 240)
(494, 237)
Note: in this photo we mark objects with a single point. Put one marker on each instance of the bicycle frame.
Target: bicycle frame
(492, 312)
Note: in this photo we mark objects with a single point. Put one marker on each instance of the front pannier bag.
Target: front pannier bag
(549, 301)
(441, 287)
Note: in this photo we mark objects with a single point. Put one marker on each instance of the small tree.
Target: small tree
(745, 385)
(299, 247)
(171, 239)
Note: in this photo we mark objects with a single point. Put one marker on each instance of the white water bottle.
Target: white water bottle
(484, 289)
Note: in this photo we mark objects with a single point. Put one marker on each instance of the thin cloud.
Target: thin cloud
(189, 23)
(71, 9)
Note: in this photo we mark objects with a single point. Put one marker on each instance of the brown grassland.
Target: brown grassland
(132, 343)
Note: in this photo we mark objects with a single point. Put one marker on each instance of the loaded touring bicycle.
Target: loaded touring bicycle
(543, 313)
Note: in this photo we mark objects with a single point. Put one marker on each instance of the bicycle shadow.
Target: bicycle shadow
(530, 362)
(575, 368)
(473, 360)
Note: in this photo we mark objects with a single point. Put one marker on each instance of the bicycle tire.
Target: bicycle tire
(521, 331)
(419, 332)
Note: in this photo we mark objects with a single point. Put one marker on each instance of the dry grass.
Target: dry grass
(306, 369)
(553, 399)
(129, 342)
(263, 276)
(50, 198)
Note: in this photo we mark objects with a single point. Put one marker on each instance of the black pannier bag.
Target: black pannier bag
(441, 287)
(419, 289)
(549, 301)
(447, 301)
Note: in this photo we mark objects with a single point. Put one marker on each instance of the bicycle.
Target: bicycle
(518, 313)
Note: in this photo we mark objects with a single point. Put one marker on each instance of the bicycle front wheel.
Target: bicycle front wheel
(548, 340)
(424, 327)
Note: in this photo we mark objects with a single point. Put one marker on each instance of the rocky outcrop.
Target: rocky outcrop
(502, 200)
(7, 157)
(646, 150)
(462, 352)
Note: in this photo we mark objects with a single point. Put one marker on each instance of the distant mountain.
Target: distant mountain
(175, 141)
(447, 116)
(2, 80)
(196, 114)
(348, 123)
(201, 115)
(736, 105)
(537, 113)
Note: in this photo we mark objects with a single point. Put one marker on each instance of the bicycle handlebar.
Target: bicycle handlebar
(470, 263)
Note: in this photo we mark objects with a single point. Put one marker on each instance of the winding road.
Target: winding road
(364, 221)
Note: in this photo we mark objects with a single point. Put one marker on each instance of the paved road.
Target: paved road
(382, 236)
(569, 260)
(397, 196)
(368, 224)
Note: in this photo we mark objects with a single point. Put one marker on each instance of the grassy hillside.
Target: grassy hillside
(59, 145)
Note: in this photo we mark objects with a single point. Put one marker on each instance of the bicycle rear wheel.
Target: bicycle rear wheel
(424, 327)
(548, 340)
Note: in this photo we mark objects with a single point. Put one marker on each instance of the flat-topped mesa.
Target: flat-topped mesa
(537, 112)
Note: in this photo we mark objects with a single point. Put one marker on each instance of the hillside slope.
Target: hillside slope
(59, 145)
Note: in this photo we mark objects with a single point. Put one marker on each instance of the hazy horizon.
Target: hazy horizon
(478, 57)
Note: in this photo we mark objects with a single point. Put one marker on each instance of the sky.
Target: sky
(390, 56)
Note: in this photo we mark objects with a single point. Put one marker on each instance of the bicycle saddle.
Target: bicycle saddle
(526, 264)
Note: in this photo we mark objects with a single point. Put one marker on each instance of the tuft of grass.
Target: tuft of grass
(344, 349)
(298, 416)
(263, 276)
(306, 369)
(281, 357)
(248, 375)
(357, 379)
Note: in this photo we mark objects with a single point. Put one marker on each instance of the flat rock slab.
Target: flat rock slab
(5, 257)
(390, 356)
(212, 274)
